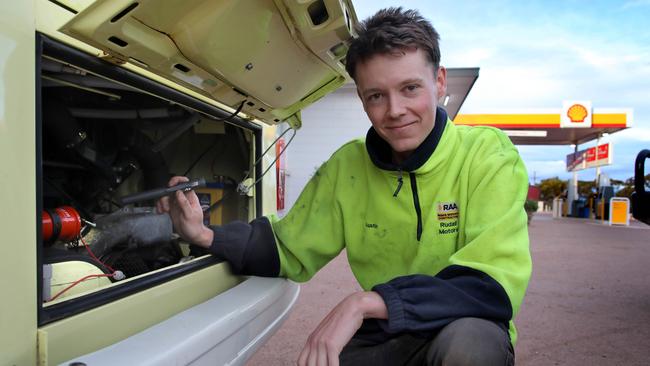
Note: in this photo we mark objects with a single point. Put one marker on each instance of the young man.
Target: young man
(431, 216)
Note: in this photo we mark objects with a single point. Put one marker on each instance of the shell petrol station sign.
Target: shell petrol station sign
(576, 114)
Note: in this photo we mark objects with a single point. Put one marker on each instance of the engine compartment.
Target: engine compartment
(103, 140)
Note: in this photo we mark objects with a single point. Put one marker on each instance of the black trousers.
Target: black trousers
(466, 341)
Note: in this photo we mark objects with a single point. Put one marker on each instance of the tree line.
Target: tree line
(555, 187)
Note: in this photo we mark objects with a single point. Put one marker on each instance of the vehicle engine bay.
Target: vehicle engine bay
(103, 140)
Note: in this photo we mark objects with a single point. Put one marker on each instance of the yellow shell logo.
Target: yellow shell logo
(577, 113)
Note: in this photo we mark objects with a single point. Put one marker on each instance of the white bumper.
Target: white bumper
(225, 330)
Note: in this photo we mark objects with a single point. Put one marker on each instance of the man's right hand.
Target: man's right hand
(186, 213)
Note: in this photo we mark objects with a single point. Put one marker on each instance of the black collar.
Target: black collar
(381, 153)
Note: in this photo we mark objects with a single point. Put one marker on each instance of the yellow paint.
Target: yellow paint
(17, 185)
(609, 119)
(533, 120)
(102, 326)
(507, 119)
(42, 348)
(22, 342)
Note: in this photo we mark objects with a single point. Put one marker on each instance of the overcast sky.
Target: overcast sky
(535, 54)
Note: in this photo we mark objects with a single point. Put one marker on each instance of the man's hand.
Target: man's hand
(187, 216)
(332, 334)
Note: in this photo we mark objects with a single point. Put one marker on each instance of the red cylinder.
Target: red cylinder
(63, 223)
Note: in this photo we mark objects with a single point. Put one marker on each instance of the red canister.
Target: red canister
(62, 223)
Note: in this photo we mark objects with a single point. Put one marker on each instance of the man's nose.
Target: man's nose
(396, 107)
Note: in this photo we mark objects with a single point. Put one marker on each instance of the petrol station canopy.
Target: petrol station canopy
(544, 127)
(459, 83)
(532, 126)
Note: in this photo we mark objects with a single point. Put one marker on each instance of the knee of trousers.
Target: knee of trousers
(471, 341)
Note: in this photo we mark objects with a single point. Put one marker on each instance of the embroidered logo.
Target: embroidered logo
(447, 211)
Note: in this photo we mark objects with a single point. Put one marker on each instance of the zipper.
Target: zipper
(400, 181)
(416, 201)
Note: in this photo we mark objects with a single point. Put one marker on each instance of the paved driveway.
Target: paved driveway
(588, 302)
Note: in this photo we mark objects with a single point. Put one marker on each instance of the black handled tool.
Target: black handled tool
(159, 192)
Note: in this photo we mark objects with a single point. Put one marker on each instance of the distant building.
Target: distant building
(533, 193)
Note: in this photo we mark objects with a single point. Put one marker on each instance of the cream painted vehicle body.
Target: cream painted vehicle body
(104, 98)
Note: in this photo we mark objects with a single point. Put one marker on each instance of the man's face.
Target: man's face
(400, 93)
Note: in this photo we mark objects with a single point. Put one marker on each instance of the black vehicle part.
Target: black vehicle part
(153, 166)
(182, 127)
(112, 152)
(69, 134)
(641, 197)
(136, 261)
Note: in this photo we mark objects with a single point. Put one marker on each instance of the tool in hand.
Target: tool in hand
(160, 192)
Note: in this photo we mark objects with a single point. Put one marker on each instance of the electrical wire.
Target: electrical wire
(217, 203)
(115, 274)
(236, 112)
(90, 252)
(223, 198)
(243, 189)
(201, 156)
(75, 283)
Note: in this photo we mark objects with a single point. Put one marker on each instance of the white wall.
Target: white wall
(327, 124)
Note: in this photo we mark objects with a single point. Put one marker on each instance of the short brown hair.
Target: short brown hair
(390, 30)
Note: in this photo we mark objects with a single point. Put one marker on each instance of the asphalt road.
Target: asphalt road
(588, 302)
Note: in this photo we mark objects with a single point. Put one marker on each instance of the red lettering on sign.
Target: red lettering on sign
(603, 151)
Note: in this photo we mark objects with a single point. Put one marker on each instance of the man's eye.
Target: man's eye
(412, 87)
(374, 97)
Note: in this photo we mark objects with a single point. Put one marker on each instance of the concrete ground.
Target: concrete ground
(588, 302)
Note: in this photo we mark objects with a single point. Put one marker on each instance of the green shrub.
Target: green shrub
(531, 208)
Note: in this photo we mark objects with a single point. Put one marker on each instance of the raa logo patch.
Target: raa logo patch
(447, 211)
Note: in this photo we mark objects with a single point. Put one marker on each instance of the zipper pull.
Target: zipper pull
(399, 183)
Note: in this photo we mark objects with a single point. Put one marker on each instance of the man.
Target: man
(431, 216)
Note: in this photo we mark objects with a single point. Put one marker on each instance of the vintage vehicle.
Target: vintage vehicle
(101, 99)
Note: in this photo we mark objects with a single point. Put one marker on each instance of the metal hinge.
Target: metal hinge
(114, 58)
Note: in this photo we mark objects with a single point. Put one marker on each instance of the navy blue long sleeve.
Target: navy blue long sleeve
(424, 304)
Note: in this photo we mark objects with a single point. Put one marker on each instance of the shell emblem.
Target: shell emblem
(577, 113)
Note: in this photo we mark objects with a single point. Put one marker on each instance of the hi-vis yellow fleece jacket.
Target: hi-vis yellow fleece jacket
(440, 237)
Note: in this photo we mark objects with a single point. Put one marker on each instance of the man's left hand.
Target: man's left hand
(332, 334)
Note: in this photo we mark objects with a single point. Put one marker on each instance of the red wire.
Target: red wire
(75, 283)
(95, 258)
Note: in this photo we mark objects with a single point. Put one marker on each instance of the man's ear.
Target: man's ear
(441, 81)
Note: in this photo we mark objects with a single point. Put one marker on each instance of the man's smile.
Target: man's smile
(400, 127)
